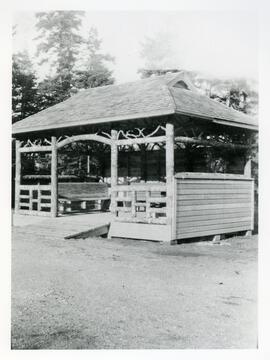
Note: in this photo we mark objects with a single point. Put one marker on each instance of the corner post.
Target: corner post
(170, 172)
(247, 172)
(54, 180)
(114, 168)
(247, 168)
(17, 175)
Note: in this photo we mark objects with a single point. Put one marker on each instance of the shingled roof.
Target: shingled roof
(155, 96)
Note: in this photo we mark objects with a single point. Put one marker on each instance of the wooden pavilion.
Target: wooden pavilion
(176, 162)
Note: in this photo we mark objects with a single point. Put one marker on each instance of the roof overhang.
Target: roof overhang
(97, 121)
(219, 121)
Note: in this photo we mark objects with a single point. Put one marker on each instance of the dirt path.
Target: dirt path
(100, 294)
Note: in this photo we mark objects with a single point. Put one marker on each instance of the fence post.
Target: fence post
(17, 175)
(54, 190)
(169, 170)
(114, 168)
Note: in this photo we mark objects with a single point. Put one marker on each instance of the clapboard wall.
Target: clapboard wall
(212, 204)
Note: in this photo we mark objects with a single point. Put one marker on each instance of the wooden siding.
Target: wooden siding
(212, 204)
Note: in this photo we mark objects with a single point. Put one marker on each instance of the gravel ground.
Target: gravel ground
(123, 294)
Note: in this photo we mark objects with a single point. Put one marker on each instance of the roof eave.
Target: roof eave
(162, 112)
(236, 124)
(220, 121)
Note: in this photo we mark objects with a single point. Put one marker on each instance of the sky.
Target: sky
(220, 44)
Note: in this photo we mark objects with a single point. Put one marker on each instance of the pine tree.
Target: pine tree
(24, 87)
(92, 70)
(59, 43)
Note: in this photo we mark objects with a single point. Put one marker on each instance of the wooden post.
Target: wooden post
(169, 171)
(247, 169)
(38, 197)
(114, 168)
(147, 208)
(169, 153)
(88, 164)
(133, 201)
(247, 172)
(128, 167)
(17, 176)
(54, 192)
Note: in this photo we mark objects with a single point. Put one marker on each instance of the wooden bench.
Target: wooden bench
(83, 196)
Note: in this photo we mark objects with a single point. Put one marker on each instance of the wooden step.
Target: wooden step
(96, 231)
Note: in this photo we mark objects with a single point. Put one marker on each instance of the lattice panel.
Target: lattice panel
(35, 198)
(140, 203)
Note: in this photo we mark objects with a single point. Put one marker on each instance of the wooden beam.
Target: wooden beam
(34, 212)
(17, 176)
(54, 192)
(145, 140)
(37, 148)
(141, 187)
(92, 137)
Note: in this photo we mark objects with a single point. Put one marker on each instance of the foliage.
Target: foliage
(24, 87)
(238, 93)
(146, 73)
(59, 42)
(160, 58)
(59, 38)
(157, 51)
(92, 70)
(78, 62)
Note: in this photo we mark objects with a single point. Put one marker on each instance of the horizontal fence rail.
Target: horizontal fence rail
(140, 203)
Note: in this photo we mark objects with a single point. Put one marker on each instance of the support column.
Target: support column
(88, 164)
(170, 173)
(114, 168)
(54, 180)
(169, 153)
(17, 175)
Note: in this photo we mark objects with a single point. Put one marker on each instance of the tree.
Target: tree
(92, 70)
(238, 93)
(79, 63)
(158, 55)
(146, 73)
(60, 42)
(160, 58)
(157, 52)
(24, 87)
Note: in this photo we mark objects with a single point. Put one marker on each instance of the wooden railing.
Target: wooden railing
(140, 203)
(35, 199)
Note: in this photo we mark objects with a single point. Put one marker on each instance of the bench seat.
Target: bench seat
(83, 196)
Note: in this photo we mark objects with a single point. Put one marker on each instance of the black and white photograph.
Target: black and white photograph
(134, 186)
